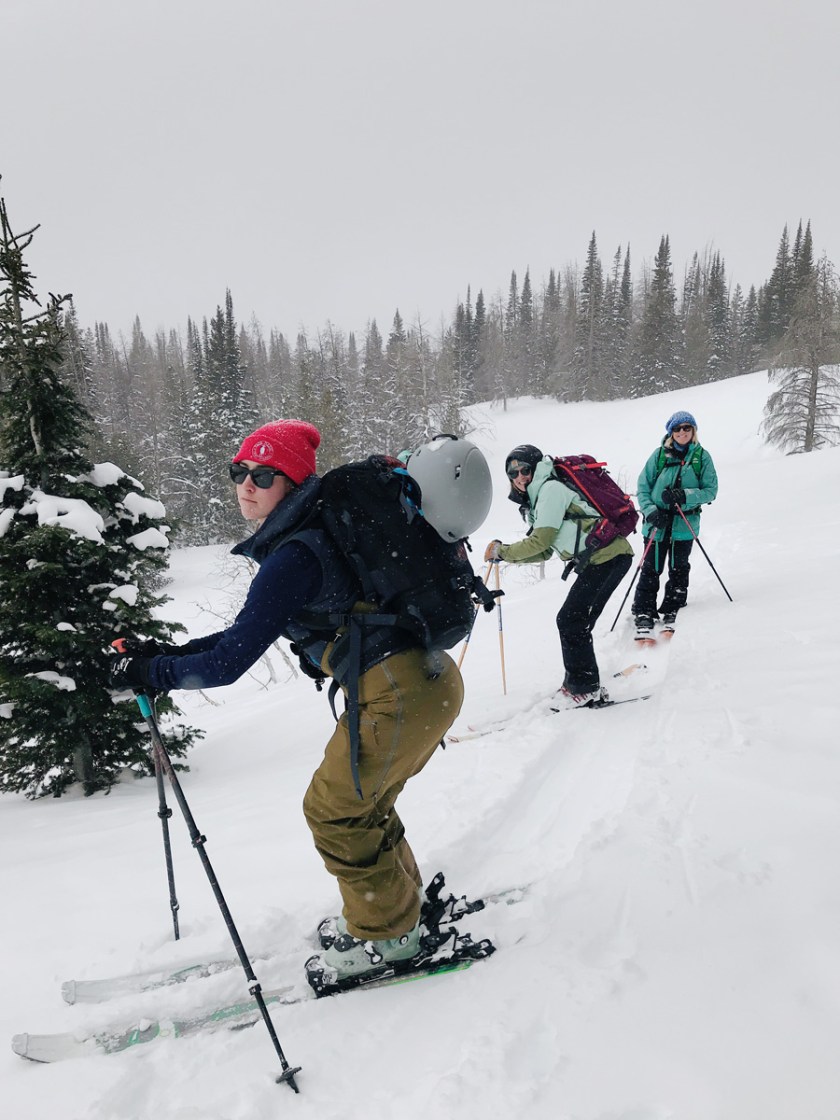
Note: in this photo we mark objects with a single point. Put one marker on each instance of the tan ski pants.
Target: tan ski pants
(403, 715)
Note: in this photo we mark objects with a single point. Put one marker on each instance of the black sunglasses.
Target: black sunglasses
(263, 477)
(683, 428)
(515, 472)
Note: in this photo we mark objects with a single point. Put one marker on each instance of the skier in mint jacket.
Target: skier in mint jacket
(679, 474)
(559, 520)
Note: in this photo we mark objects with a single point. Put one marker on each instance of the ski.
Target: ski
(135, 983)
(595, 704)
(238, 1016)
(473, 732)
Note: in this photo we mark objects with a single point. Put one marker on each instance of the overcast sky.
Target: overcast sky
(337, 159)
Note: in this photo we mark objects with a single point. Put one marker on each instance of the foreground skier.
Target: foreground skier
(407, 701)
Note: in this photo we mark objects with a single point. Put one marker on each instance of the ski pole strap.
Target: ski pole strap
(353, 702)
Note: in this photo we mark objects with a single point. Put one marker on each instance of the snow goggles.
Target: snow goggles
(263, 477)
(515, 472)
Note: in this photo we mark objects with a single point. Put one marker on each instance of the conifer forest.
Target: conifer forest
(172, 407)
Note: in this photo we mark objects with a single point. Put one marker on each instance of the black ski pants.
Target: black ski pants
(676, 586)
(586, 600)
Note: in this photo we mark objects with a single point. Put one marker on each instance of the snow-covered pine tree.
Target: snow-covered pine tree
(803, 414)
(80, 547)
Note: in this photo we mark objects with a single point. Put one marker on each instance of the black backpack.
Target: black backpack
(372, 510)
(421, 589)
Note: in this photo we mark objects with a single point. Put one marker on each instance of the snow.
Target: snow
(72, 514)
(127, 592)
(63, 684)
(149, 538)
(674, 952)
(137, 506)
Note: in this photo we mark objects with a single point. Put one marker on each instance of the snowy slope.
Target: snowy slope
(674, 956)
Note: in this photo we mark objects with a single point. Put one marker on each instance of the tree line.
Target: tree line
(173, 407)
(83, 541)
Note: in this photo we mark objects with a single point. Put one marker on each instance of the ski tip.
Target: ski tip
(20, 1045)
(636, 667)
(645, 643)
(49, 1048)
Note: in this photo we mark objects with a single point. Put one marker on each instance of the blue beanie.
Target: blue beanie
(679, 418)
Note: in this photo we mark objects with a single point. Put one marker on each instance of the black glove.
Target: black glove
(674, 496)
(659, 518)
(129, 672)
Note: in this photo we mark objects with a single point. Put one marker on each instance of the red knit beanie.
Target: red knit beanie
(288, 445)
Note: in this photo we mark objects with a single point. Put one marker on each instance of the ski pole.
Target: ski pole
(501, 630)
(475, 616)
(164, 813)
(198, 842)
(699, 545)
(651, 540)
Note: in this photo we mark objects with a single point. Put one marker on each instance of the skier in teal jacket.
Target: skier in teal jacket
(679, 475)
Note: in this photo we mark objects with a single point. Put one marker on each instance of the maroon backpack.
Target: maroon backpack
(593, 482)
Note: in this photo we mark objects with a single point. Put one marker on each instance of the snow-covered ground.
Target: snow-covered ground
(675, 954)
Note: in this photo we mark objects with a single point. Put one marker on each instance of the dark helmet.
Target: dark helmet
(525, 453)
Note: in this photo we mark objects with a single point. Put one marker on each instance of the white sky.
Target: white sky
(328, 159)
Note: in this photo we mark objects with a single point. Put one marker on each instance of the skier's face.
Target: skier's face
(519, 475)
(256, 503)
(683, 434)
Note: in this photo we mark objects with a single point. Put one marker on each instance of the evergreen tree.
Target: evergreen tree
(802, 414)
(549, 337)
(694, 316)
(618, 323)
(777, 296)
(589, 328)
(80, 546)
(221, 411)
(718, 324)
(659, 363)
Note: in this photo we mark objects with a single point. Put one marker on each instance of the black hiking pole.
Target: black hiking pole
(699, 545)
(198, 842)
(651, 540)
(164, 812)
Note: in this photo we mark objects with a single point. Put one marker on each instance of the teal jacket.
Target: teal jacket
(560, 519)
(695, 473)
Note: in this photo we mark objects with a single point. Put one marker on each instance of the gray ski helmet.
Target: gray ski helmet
(524, 453)
(455, 485)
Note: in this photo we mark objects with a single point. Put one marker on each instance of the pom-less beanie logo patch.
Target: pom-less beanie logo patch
(263, 450)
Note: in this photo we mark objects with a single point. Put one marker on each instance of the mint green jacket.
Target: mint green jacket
(553, 528)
